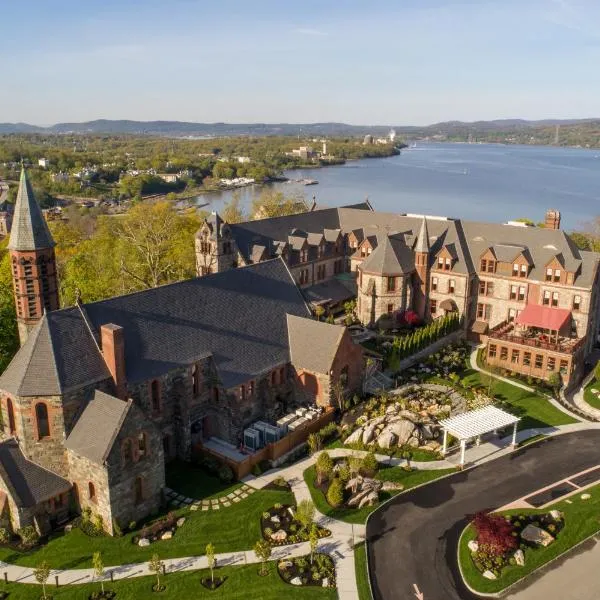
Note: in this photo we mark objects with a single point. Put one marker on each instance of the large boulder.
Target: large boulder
(279, 536)
(387, 439)
(402, 429)
(489, 575)
(536, 535)
(390, 486)
(369, 433)
(355, 436)
(427, 431)
(357, 498)
(369, 500)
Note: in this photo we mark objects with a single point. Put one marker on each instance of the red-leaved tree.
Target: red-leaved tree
(494, 533)
(411, 317)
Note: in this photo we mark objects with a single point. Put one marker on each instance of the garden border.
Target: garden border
(506, 589)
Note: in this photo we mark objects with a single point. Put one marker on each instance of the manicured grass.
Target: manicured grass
(535, 410)
(236, 527)
(193, 481)
(590, 398)
(242, 582)
(362, 577)
(359, 515)
(581, 521)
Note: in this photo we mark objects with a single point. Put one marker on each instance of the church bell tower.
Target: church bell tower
(33, 262)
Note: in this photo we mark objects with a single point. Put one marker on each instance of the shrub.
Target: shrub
(116, 528)
(29, 536)
(98, 522)
(280, 481)
(4, 535)
(369, 465)
(314, 443)
(335, 493)
(225, 473)
(494, 533)
(324, 467)
(266, 515)
(330, 431)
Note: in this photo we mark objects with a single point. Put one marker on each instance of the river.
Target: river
(489, 182)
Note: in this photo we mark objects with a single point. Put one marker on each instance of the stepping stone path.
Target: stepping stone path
(177, 500)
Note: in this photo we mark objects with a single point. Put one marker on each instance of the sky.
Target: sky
(397, 62)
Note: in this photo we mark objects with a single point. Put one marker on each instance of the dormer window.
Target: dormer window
(516, 270)
(487, 266)
(523, 272)
(556, 275)
(440, 264)
(549, 273)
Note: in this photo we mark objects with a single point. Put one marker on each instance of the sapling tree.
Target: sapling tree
(313, 538)
(210, 557)
(155, 566)
(41, 574)
(98, 568)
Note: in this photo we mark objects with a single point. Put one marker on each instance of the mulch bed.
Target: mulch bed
(284, 521)
(302, 573)
(102, 595)
(209, 584)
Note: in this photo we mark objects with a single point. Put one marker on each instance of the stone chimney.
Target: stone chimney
(112, 338)
(552, 219)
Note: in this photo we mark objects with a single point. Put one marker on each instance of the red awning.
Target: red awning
(544, 317)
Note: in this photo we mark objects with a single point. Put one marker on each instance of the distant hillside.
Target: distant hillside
(495, 130)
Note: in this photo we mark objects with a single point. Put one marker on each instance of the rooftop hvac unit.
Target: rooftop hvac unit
(297, 423)
(251, 438)
(270, 433)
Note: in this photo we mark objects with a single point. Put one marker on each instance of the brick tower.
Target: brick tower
(32, 259)
(421, 282)
(215, 247)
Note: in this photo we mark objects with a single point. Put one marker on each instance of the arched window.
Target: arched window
(41, 418)
(11, 416)
(92, 491)
(196, 379)
(142, 444)
(155, 394)
(139, 490)
(127, 451)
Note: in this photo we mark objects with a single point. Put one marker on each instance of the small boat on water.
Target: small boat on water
(310, 181)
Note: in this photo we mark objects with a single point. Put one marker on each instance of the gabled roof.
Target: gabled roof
(391, 257)
(237, 316)
(59, 354)
(98, 426)
(27, 482)
(313, 344)
(29, 229)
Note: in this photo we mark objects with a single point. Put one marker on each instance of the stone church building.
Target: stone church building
(101, 396)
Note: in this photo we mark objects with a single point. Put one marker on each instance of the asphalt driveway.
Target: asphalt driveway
(413, 539)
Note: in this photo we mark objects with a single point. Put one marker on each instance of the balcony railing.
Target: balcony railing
(504, 330)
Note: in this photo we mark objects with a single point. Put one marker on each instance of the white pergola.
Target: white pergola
(474, 423)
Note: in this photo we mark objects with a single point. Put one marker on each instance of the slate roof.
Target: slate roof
(422, 244)
(29, 229)
(313, 344)
(238, 317)
(98, 426)
(391, 257)
(332, 291)
(31, 483)
(59, 354)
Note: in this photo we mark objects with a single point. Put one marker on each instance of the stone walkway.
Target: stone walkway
(177, 500)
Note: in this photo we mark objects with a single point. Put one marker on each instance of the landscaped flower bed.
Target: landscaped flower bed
(302, 571)
(162, 529)
(280, 527)
(501, 541)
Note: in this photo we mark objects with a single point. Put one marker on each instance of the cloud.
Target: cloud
(309, 31)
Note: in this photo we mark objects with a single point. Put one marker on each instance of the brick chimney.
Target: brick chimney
(113, 349)
(552, 219)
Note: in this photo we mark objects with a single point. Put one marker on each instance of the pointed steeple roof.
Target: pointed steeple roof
(29, 229)
(422, 244)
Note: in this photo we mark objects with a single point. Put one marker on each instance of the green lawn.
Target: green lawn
(535, 410)
(581, 521)
(359, 515)
(590, 398)
(362, 577)
(236, 527)
(194, 482)
(242, 583)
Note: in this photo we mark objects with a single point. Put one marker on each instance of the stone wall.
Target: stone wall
(371, 306)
